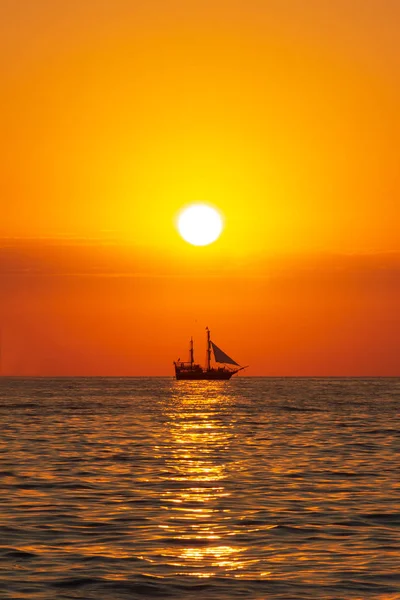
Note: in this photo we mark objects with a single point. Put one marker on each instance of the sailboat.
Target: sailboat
(226, 366)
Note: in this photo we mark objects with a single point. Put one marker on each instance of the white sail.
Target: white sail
(221, 357)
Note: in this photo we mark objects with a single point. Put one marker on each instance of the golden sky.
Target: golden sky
(283, 113)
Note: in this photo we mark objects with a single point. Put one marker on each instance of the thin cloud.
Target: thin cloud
(95, 258)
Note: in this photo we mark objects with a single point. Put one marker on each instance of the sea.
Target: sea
(256, 488)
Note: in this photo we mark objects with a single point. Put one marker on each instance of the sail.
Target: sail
(221, 357)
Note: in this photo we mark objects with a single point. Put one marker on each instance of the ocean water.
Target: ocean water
(151, 488)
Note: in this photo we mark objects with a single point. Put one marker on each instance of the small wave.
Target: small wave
(349, 523)
(17, 554)
(383, 431)
(350, 474)
(392, 519)
(295, 530)
(119, 457)
(17, 405)
(7, 473)
(76, 582)
(366, 586)
(73, 485)
(94, 525)
(34, 486)
(4, 529)
(145, 589)
(299, 409)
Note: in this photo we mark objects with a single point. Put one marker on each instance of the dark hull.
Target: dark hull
(211, 375)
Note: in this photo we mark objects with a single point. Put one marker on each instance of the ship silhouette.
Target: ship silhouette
(226, 366)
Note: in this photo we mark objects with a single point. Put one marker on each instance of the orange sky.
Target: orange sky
(282, 113)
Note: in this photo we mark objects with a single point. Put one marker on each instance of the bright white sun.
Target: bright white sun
(200, 224)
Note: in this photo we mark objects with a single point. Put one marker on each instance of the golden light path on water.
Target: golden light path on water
(197, 520)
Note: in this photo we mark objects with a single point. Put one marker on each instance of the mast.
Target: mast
(208, 349)
(191, 353)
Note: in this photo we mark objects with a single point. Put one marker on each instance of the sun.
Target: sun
(200, 224)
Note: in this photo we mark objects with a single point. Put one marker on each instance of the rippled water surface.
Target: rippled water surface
(152, 488)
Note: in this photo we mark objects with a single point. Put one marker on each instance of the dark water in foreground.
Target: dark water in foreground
(152, 488)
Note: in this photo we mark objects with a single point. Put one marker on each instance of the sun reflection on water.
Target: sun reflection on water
(199, 530)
